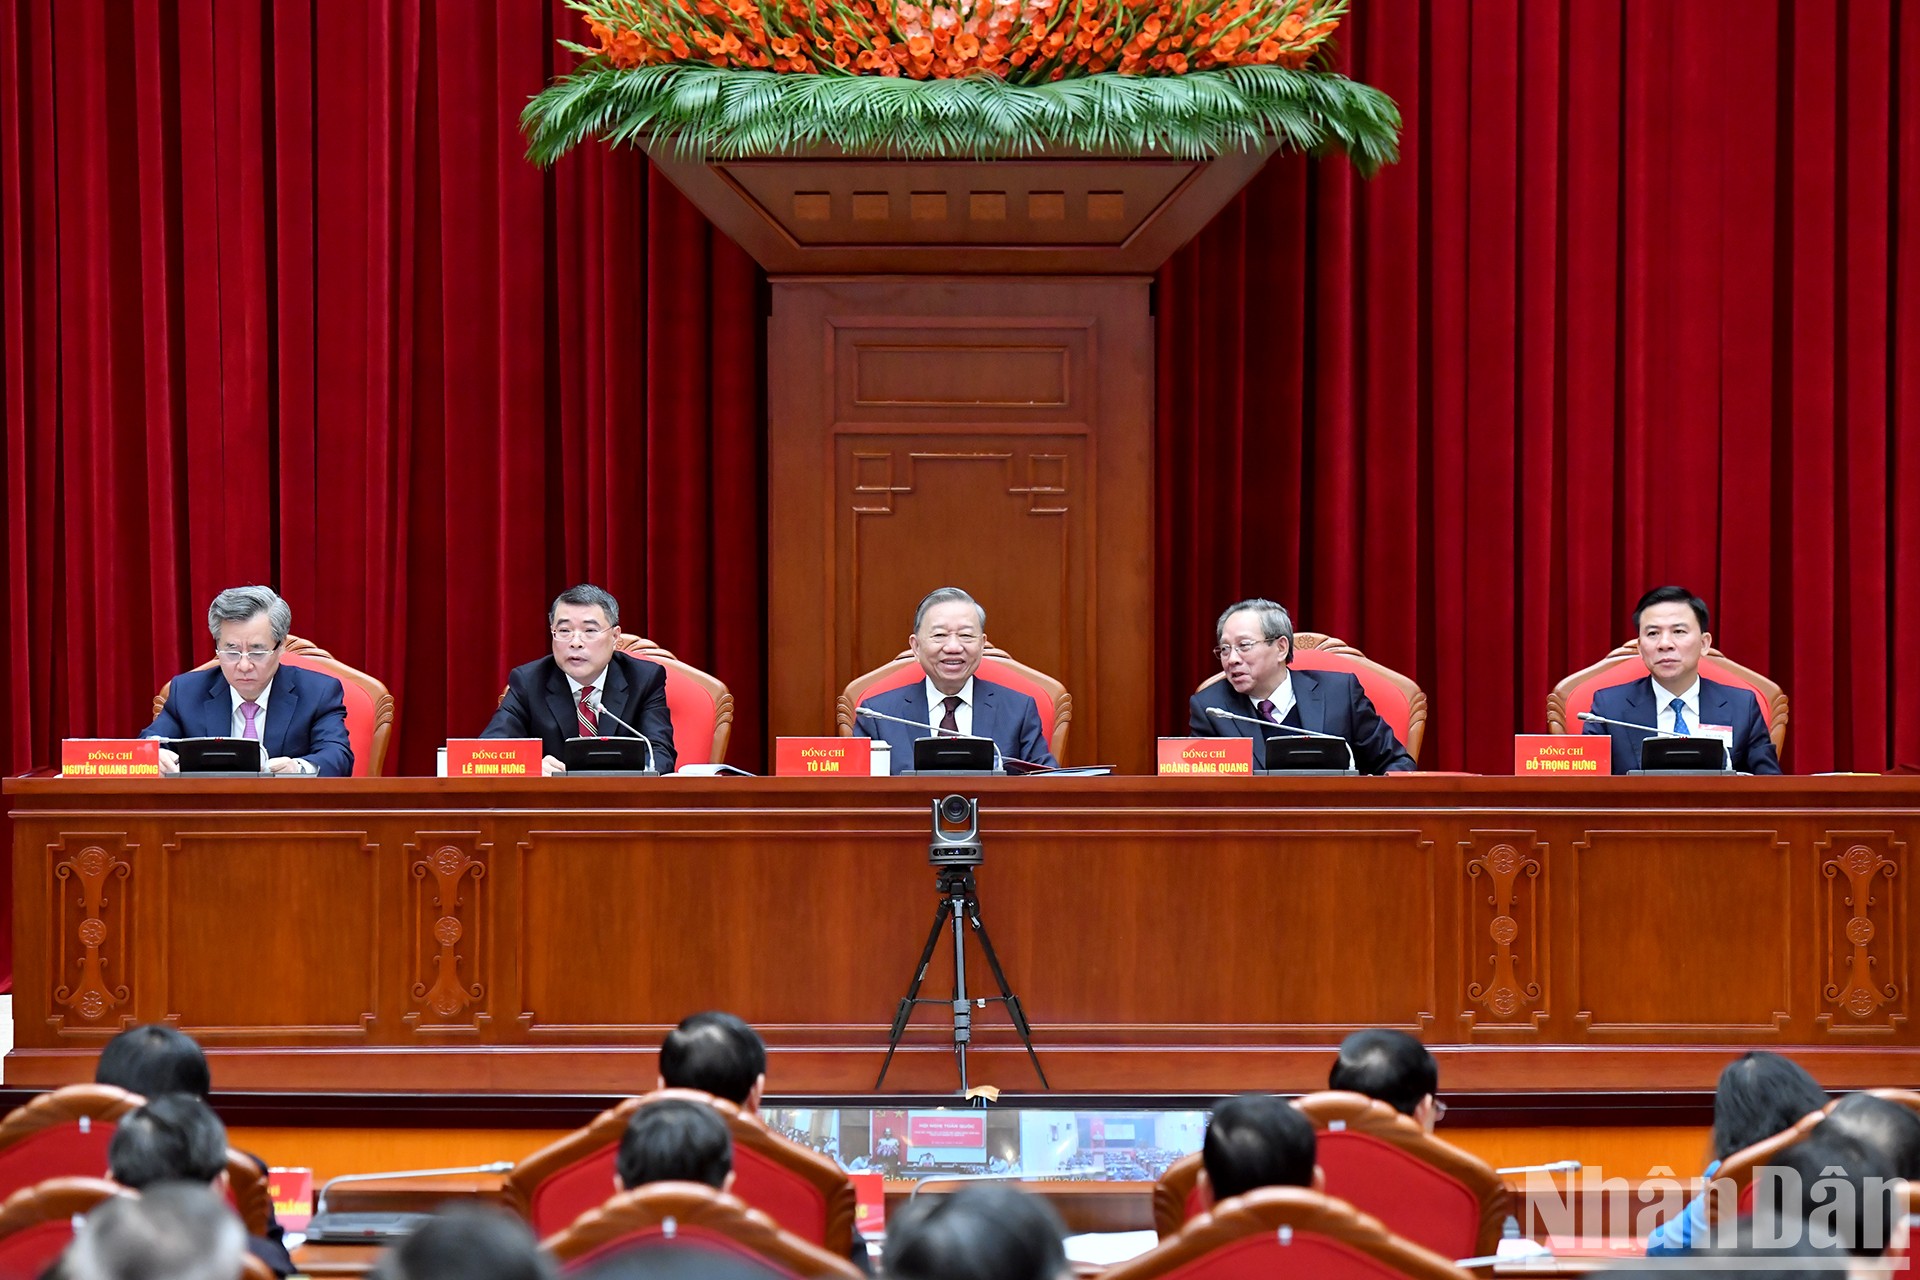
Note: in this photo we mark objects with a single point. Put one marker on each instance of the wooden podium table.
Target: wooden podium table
(1178, 935)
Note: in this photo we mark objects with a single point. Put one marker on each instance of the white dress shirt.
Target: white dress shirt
(937, 707)
(1664, 721)
(237, 728)
(599, 687)
(1282, 698)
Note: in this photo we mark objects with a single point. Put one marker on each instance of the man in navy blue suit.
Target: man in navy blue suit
(1254, 642)
(1671, 624)
(299, 717)
(949, 638)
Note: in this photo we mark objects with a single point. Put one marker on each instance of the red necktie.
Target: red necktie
(589, 723)
(948, 724)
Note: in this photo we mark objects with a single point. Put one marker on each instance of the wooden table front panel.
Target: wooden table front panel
(1162, 934)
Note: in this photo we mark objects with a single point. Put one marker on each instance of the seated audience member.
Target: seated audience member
(1257, 1140)
(1830, 1189)
(1391, 1067)
(716, 1053)
(986, 1231)
(177, 1138)
(1766, 1258)
(949, 638)
(569, 693)
(1671, 626)
(1884, 1128)
(299, 717)
(1759, 1094)
(466, 1243)
(152, 1060)
(660, 1263)
(675, 1140)
(175, 1231)
(1254, 642)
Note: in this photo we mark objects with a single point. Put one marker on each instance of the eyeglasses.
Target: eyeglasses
(586, 635)
(231, 656)
(1243, 648)
(1439, 1111)
(964, 637)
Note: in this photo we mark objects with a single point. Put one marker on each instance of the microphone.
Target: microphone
(608, 713)
(1272, 729)
(934, 730)
(1591, 718)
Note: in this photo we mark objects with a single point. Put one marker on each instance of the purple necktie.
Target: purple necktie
(1266, 709)
(252, 729)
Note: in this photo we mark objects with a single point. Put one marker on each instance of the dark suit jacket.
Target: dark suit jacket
(1328, 701)
(306, 716)
(539, 704)
(1719, 704)
(1009, 717)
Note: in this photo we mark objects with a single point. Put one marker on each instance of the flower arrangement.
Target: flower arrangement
(962, 77)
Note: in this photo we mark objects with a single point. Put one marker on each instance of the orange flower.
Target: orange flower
(1177, 63)
(919, 48)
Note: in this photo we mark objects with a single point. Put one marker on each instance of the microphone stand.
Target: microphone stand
(1273, 729)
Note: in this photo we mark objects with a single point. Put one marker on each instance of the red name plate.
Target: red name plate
(1586, 755)
(822, 757)
(493, 757)
(1188, 757)
(110, 758)
(869, 1204)
(292, 1192)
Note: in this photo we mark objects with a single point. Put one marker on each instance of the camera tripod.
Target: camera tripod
(959, 899)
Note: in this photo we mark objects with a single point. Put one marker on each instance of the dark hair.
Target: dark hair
(1853, 1208)
(154, 1059)
(1760, 1094)
(1884, 1128)
(680, 1261)
(986, 1231)
(1389, 1065)
(1257, 1140)
(464, 1242)
(715, 1053)
(675, 1140)
(174, 1138)
(1770, 1259)
(1671, 595)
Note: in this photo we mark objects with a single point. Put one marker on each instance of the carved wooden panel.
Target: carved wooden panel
(90, 960)
(449, 945)
(1698, 915)
(1506, 931)
(1862, 930)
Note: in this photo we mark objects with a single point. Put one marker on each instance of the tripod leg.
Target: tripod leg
(1011, 1000)
(905, 1011)
(962, 1008)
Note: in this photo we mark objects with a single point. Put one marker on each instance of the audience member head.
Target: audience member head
(154, 1059)
(174, 1230)
(467, 1243)
(715, 1053)
(1884, 1128)
(1828, 1189)
(675, 1140)
(1764, 1259)
(174, 1138)
(1257, 1140)
(584, 622)
(662, 1261)
(1394, 1068)
(1760, 1094)
(949, 637)
(985, 1231)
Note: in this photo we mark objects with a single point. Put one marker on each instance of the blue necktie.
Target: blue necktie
(1679, 706)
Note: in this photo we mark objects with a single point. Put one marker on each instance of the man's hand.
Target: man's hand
(549, 766)
(169, 762)
(284, 764)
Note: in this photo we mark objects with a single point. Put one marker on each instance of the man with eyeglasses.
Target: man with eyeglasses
(1254, 642)
(298, 716)
(949, 638)
(568, 694)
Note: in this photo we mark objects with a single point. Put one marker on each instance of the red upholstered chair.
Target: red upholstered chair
(1056, 706)
(699, 704)
(369, 705)
(1623, 666)
(37, 1221)
(247, 1192)
(688, 1215)
(61, 1134)
(1398, 699)
(1284, 1232)
(1734, 1179)
(803, 1191)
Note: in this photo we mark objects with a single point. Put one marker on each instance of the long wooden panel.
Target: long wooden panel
(1183, 935)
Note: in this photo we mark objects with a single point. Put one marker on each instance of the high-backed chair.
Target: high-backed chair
(37, 1221)
(61, 1134)
(247, 1189)
(804, 1192)
(699, 704)
(1623, 666)
(997, 665)
(689, 1215)
(1907, 1098)
(1397, 698)
(1737, 1170)
(369, 705)
(1384, 1164)
(1284, 1232)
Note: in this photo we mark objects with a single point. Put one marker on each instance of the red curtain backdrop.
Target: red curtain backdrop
(1639, 305)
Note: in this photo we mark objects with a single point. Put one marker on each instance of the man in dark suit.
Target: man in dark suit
(1254, 642)
(299, 717)
(949, 638)
(564, 696)
(1671, 626)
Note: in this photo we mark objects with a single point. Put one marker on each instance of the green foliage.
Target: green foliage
(730, 113)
